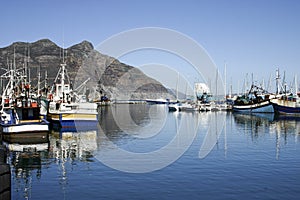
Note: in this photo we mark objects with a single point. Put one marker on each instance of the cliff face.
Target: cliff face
(107, 75)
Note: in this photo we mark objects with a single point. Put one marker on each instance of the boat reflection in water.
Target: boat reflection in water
(73, 145)
(69, 149)
(69, 167)
(62, 148)
(259, 124)
(26, 161)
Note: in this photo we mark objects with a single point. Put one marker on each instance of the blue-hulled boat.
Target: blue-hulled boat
(287, 105)
(286, 102)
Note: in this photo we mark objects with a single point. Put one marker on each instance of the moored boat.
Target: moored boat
(66, 107)
(264, 106)
(186, 107)
(287, 105)
(157, 101)
(20, 114)
(256, 101)
(174, 107)
(286, 102)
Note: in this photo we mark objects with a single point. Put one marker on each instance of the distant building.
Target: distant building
(202, 92)
(201, 88)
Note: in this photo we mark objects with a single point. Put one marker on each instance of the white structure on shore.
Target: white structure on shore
(200, 89)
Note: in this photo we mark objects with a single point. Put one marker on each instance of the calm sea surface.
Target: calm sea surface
(145, 152)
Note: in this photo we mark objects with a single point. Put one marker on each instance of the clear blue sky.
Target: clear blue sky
(254, 36)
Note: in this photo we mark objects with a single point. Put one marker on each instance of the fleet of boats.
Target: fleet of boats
(20, 111)
(258, 100)
(255, 100)
(28, 113)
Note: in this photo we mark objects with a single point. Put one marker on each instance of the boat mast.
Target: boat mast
(177, 86)
(284, 83)
(216, 85)
(63, 65)
(230, 93)
(29, 78)
(225, 80)
(26, 68)
(39, 81)
(269, 83)
(46, 79)
(277, 81)
(62, 80)
(12, 70)
(296, 86)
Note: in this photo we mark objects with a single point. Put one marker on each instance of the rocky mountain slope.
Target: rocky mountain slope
(106, 75)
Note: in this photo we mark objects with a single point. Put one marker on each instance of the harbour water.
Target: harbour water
(207, 155)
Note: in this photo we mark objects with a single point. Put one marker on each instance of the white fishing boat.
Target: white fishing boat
(66, 107)
(286, 103)
(19, 112)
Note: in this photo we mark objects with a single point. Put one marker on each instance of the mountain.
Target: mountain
(106, 74)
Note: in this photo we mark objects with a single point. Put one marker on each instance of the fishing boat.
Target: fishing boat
(287, 105)
(256, 101)
(286, 102)
(66, 107)
(19, 112)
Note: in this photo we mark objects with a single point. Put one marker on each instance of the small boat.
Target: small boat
(186, 107)
(20, 113)
(103, 101)
(204, 107)
(174, 107)
(157, 101)
(256, 101)
(205, 100)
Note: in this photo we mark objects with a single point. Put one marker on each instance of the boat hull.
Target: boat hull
(173, 108)
(157, 101)
(27, 138)
(23, 128)
(286, 108)
(73, 121)
(25, 132)
(261, 107)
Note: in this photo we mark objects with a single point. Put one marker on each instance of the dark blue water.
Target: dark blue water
(224, 156)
